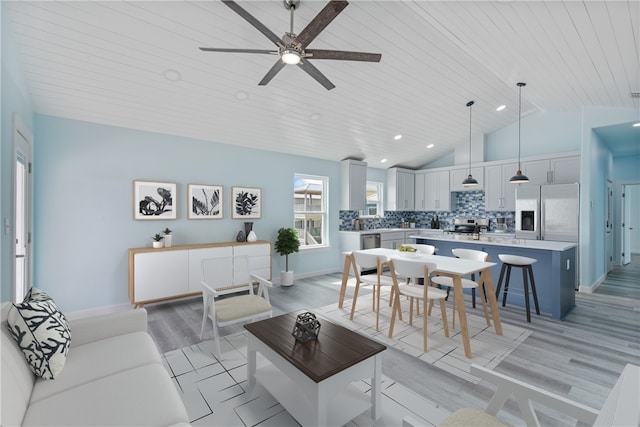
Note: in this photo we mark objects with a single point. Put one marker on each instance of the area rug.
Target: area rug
(487, 348)
(215, 392)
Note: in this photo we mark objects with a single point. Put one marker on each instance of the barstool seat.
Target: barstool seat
(516, 259)
(509, 261)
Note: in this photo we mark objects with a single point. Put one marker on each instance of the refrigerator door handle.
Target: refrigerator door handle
(542, 221)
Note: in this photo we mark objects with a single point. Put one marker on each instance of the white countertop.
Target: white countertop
(497, 239)
(387, 230)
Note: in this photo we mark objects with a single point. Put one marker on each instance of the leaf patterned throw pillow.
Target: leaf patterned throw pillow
(42, 333)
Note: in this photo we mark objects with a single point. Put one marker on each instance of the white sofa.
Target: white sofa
(113, 376)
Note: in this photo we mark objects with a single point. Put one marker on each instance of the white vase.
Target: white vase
(251, 237)
(157, 245)
(286, 278)
(167, 240)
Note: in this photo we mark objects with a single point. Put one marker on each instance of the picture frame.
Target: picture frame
(246, 203)
(205, 201)
(154, 200)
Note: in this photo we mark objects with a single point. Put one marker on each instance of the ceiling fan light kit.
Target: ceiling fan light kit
(519, 178)
(292, 48)
(470, 181)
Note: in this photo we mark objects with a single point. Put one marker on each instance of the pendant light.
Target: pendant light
(470, 181)
(519, 178)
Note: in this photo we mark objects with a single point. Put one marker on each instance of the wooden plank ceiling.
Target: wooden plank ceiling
(107, 62)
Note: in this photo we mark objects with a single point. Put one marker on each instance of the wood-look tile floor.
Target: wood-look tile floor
(579, 357)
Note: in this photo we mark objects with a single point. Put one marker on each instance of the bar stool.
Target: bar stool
(525, 263)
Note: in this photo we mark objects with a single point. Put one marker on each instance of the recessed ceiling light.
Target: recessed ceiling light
(397, 137)
(636, 125)
(430, 146)
(172, 75)
(242, 95)
(383, 161)
(314, 116)
(501, 107)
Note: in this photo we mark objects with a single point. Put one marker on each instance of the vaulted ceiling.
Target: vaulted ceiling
(137, 65)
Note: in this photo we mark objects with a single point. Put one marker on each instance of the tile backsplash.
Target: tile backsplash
(468, 204)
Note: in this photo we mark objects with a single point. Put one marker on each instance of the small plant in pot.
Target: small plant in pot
(167, 237)
(287, 243)
(158, 240)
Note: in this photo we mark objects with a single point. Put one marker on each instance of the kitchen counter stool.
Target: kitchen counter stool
(525, 263)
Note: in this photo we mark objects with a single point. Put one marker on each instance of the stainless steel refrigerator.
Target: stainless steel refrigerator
(548, 212)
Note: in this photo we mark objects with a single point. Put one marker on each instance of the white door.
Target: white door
(609, 227)
(22, 207)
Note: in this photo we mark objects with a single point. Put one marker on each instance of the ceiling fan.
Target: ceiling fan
(292, 47)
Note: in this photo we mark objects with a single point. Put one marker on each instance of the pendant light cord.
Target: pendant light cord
(470, 104)
(519, 118)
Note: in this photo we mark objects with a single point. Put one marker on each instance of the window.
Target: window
(374, 199)
(310, 195)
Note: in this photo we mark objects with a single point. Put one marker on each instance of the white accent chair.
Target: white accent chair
(620, 409)
(415, 269)
(366, 261)
(227, 304)
(466, 283)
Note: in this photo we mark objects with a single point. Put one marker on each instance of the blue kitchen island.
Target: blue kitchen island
(554, 273)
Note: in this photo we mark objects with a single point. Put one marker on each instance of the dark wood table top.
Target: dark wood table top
(336, 349)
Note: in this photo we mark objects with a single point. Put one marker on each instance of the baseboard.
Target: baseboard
(306, 275)
(97, 311)
(592, 289)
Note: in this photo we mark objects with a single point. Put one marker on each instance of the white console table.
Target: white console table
(169, 273)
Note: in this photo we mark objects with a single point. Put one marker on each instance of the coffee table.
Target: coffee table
(312, 380)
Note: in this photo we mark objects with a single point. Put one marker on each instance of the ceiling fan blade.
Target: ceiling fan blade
(317, 24)
(316, 74)
(253, 21)
(342, 55)
(215, 49)
(279, 65)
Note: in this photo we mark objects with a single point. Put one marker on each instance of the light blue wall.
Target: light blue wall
(627, 168)
(541, 134)
(84, 215)
(14, 101)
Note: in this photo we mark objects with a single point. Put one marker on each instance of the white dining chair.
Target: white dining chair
(466, 283)
(415, 269)
(362, 260)
(227, 304)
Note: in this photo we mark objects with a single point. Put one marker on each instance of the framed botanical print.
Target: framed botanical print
(204, 201)
(247, 203)
(154, 200)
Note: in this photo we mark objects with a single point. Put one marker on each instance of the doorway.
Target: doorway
(630, 223)
(22, 209)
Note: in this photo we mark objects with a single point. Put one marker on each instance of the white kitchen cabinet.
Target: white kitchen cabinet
(353, 174)
(560, 170)
(500, 195)
(459, 175)
(565, 170)
(400, 189)
(437, 192)
(392, 239)
(175, 272)
(419, 201)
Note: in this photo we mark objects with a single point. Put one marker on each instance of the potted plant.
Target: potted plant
(412, 222)
(286, 244)
(167, 237)
(157, 240)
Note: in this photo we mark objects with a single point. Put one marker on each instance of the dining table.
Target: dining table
(453, 267)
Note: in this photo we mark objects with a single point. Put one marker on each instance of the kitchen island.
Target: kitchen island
(554, 273)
